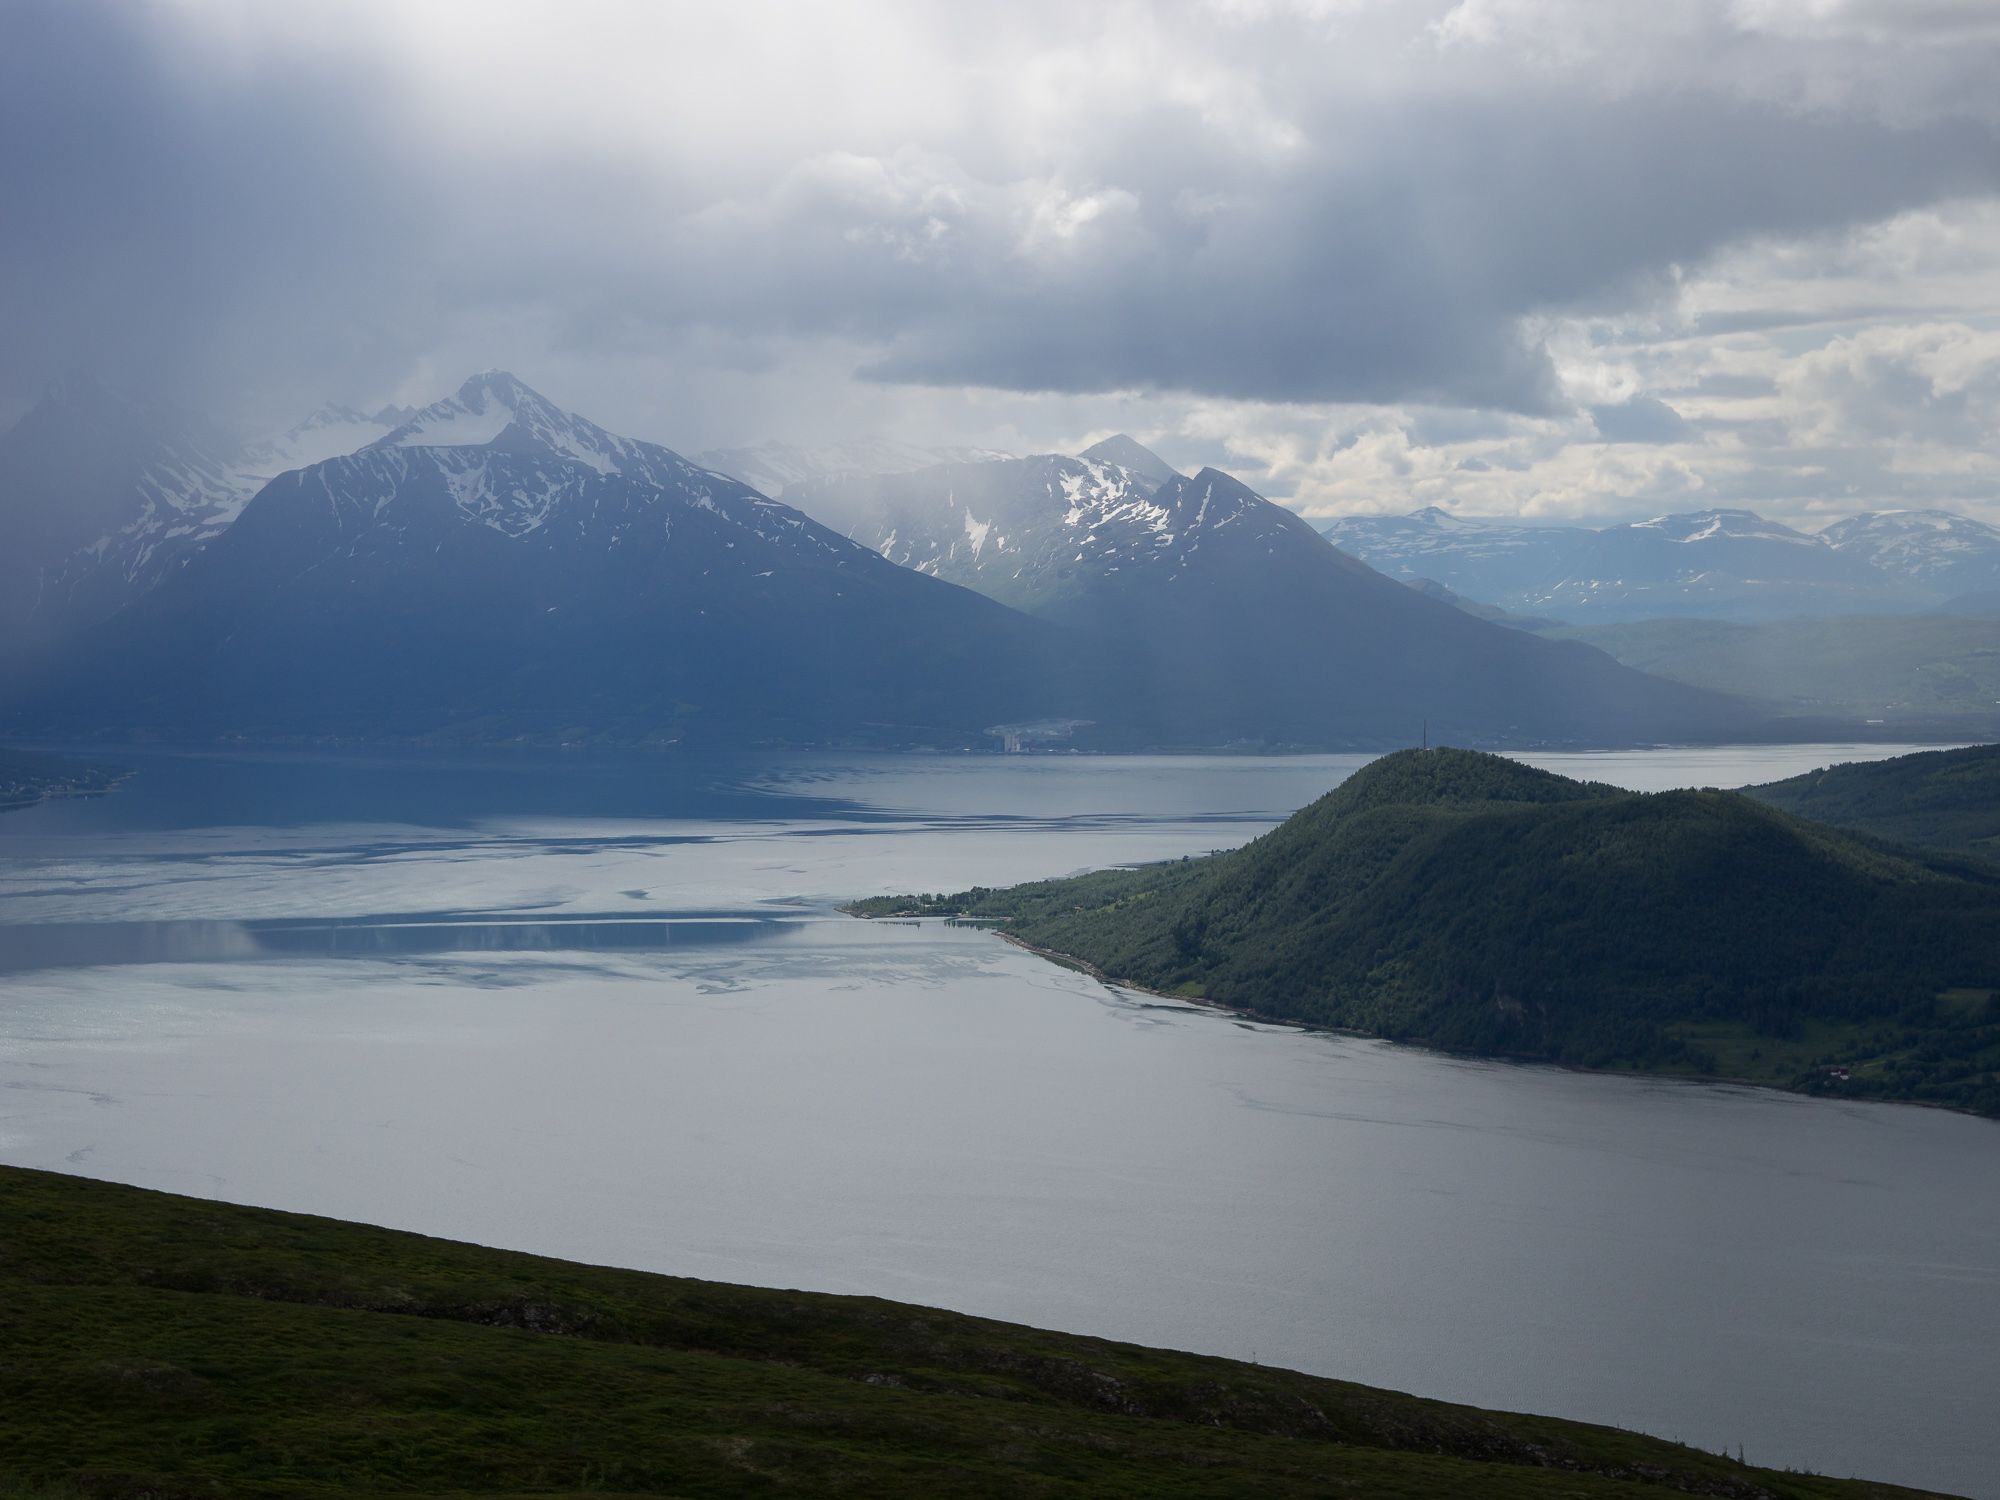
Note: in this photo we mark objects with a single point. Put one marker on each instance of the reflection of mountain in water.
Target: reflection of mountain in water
(68, 945)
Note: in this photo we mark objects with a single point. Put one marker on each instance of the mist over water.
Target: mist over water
(604, 1009)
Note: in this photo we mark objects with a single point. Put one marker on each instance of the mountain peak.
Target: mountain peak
(1129, 453)
(1443, 775)
(486, 406)
(332, 414)
(498, 385)
(78, 387)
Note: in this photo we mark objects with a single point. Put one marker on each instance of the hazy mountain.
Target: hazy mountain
(1947, 554)
(495, 566)
(1230, 618)
(775, 468)
(1924, 676)
(1717, 564)
(1493, 562)
(1713, 564)
(102, 496)
(1430, 588)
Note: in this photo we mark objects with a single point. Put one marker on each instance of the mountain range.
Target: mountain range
(493, 567)
(1225, 611)
(1711, 564)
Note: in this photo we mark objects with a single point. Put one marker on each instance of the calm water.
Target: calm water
(604, 1010)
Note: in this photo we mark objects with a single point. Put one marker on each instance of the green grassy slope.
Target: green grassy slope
(1939, 799)
(1921, 670)
(160, 1346)
(1472, 903)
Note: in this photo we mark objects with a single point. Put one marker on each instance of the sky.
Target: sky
(1557, 259)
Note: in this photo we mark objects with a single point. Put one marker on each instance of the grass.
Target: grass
(159, 1346)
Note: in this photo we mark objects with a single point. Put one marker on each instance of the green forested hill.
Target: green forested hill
(1469, 902)
(171, 1348)
(1940, 799)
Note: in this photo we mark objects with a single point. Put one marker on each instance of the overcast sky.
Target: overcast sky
(1550, 258)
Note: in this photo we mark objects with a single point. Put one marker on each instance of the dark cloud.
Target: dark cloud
(1640, 419)
(295, 225)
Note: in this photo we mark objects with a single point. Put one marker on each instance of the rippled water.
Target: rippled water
(604, 1009)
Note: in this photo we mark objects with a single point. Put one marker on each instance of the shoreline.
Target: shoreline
(67, 793)
(1084, 966)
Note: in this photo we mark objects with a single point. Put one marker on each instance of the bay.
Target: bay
(604, 1008)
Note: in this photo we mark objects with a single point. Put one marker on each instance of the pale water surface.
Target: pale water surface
(603, 1009)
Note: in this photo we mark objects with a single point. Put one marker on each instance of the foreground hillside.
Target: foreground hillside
(1469, 902)
(164, 1346)
(1940, 799)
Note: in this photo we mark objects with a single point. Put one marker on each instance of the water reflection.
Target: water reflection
(75, 945)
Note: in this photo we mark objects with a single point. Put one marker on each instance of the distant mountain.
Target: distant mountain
(1493, 562)
(1938, 799)
(1236, 621)
(1430, 588)
(102, 496)
(1470, 902)
(1134, 457)
(1936, 550)
(1711, 564)
(776, 468)
(496, 567)
(1927, 676)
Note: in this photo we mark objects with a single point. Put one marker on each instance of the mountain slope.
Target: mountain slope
(1235, 621)
(1134, 457)
(1715, 564)
(496, 567)
(1470, 902)
(1493, 562)
(1938, 799)
(1925, 676)
(1936, 550)
(162, 1345)
(102, 496)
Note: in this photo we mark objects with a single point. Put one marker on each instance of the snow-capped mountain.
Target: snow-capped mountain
(1232, 618)
(1046, 533)
(1720, 564)
(1130, 454)
(102, 496)
(1937, 550)
(1490, 561)
(495, 566)
(778, 468)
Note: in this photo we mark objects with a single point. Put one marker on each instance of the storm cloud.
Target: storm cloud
(1295, 236)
